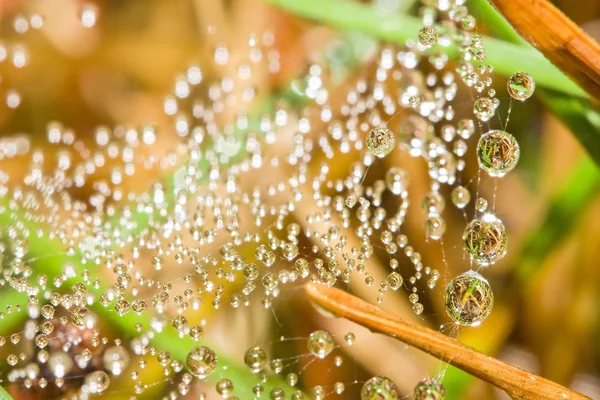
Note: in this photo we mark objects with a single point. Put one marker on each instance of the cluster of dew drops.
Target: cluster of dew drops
(299, 223)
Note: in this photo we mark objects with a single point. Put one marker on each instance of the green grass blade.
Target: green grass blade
(580, 116)
(567, 206)
(507, 58)
(4, 394)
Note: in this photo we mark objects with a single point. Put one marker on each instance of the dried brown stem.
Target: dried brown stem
(517, 383)
(564, 43)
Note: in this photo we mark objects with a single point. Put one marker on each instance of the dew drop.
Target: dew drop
(429, 389)
(201, 362)
(485, 240)
(97, 381)
(379, 388)
(320, 343)
(498, 152)
(520, 86)
(469, 299)
(381, 141)
(255, 359)
(428, 36)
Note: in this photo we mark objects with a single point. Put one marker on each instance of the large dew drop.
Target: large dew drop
(498, 152)
(428, 36)
(381, 141)
(97, 381)
(255, 359)
(485, 239)
(201, 362)
(520, 86)
(429, 389)
(469, 299)
(320, 343)
(379, 388)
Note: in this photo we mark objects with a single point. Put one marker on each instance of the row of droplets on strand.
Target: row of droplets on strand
(468, 297)
(427, 96)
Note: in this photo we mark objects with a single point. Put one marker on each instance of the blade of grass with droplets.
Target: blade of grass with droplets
(507, 58)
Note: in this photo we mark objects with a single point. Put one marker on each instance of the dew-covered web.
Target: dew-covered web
(168, 257)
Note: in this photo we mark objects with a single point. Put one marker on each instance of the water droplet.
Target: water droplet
(485, 239)
(484, 109)
(429, 389)
(381, 141)
(469, 299)
(460, 196)
(481, 205)
(396, 180)
(201, 362)
(433, 203)
(498, 152)
(435, 227)
(41, 340)
(116, 359)
(320, 343)
(428, 36)
(224, 387)
(379, 388)
(520, 86)
(414, 133)
(394, 280)
(255, 359)
(349, 337)
(97, 381)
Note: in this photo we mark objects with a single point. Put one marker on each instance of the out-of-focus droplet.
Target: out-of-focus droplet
(89, 15)
(97, 381)
(428, 36)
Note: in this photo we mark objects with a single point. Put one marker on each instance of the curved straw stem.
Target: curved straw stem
(564, 43)
(517, 383)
